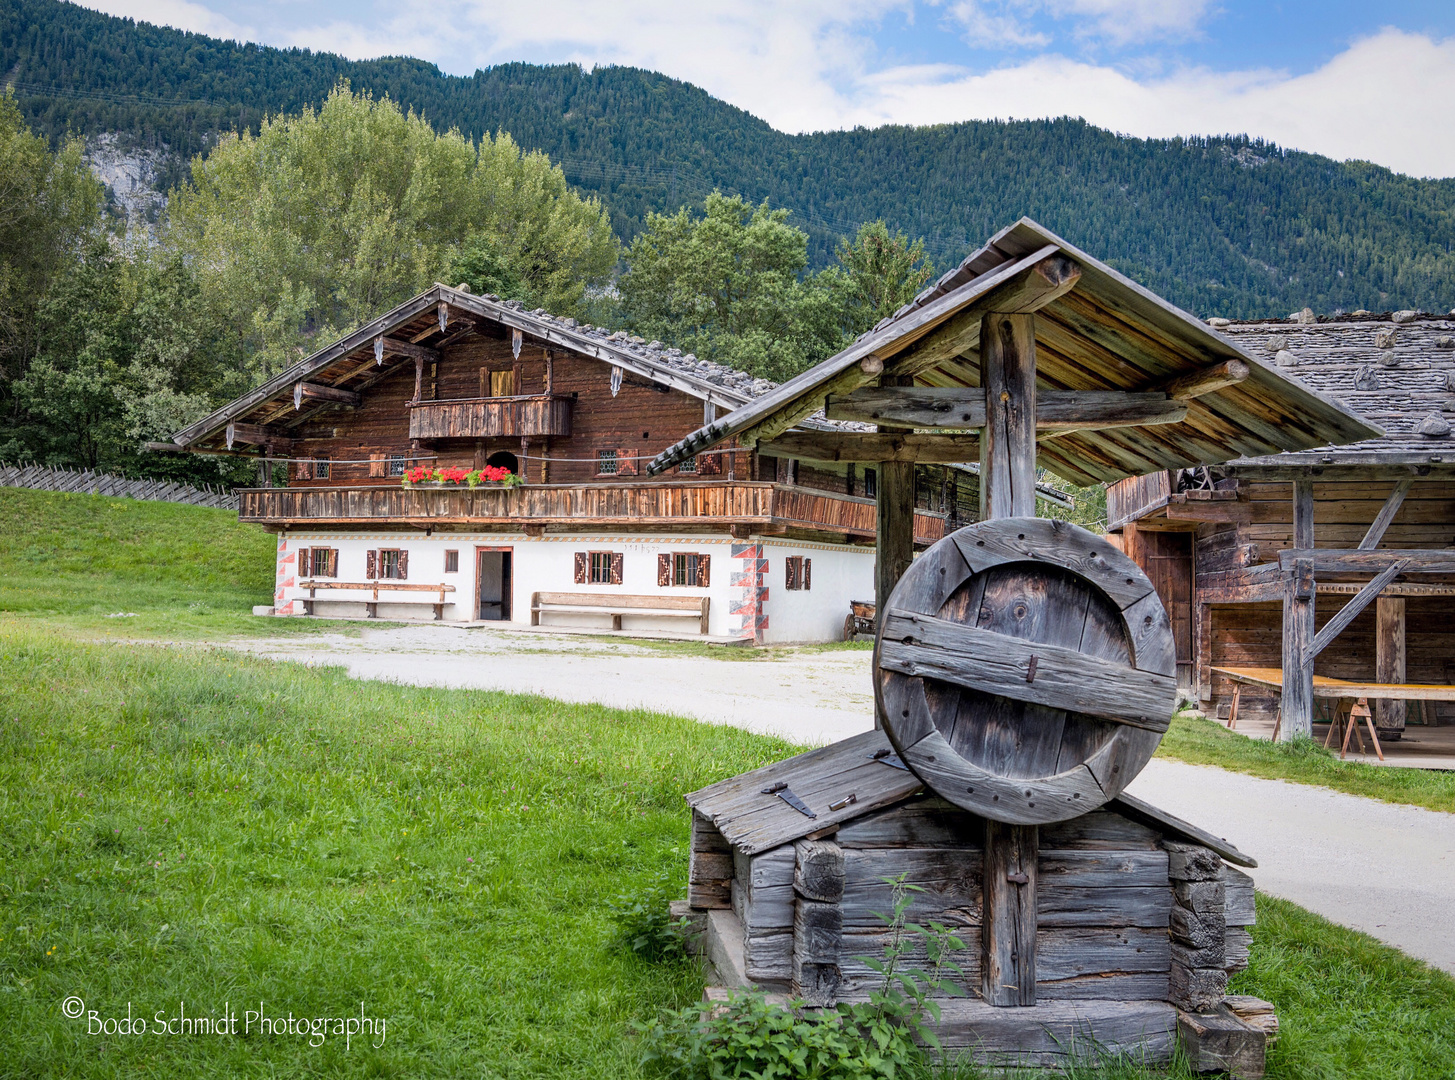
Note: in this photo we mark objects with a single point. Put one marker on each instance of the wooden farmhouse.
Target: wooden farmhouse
(1322, 576)
(1024, 672)
(734, 543)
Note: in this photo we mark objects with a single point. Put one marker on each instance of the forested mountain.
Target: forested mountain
(1227, 226)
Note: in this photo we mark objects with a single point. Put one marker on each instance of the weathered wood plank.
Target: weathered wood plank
(949, 877)
(1069, 952)
(901, 447)
(928, 821)
(1196, 384)
(1009, 957)
(1051, 1033)
(1104, 869)
(1061, 905)
(1337, 561)
(1101, 830)
(964, 409)
(1148, 814)
(817, 934)
(1389, 659)
(927, 647)
(1008, 441)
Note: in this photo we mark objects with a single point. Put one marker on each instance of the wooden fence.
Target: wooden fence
(88, 482)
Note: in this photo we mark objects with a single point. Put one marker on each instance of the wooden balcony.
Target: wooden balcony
(759, 507)
(492, 417)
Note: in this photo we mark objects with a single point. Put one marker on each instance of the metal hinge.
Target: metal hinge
(888, 757)
(781, 790)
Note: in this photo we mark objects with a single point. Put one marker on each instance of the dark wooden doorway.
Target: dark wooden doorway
(1166, 558)
(493, 584)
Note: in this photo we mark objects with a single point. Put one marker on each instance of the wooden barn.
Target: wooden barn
(735, 544)
(1312, 580)
(1024, 670)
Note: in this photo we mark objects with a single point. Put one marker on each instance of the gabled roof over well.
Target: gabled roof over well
(349, 363)
(1104, 332)
(864, 766)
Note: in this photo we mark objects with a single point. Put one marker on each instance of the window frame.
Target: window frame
(684, 568)
(322, 464)
(598, 567)
(609, 456)
(452, 561)
(396, 465)
(384, 562)
(688, 466)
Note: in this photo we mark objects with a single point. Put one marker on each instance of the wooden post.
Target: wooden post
(550, 363)
(1008, 444)
(894, 520)
(1297, 703)
(1389, 663)
(1008, 489)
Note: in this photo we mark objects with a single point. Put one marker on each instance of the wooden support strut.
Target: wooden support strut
(1008, 489)
(1297, 703)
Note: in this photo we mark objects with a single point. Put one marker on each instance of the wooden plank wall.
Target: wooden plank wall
(1249, 635)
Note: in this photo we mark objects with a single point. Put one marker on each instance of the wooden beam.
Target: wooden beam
(1337, 561)
(964, 409)
(255, 434)
(894, 515)
(417, 353)
(1350, 611)
(1008, 932)
(1008, 445)
(1347, 467)
(1297, 702)
(872, 447)
(307, 391)
(1197, 383)
(1386, 515)
(1389, 660)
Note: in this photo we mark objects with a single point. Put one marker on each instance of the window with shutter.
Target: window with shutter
(793, 572)
(807, 574)
(626, 462)
(371, 564)
(616, 561)
(389, 563)
(305, 563)
(377, 465)
(703, 577)
(580, 559)
(664, 570)
(325, 562)
(403, 565)
(606, 463)
(321, 468)
(398, 464)
(689, 465)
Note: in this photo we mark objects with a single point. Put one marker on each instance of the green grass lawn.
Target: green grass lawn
(1205, 742)
(205, 828)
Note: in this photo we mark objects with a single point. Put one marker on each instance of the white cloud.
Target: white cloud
(983, 30)
(1387, 99)
(1005, 23)
(181, 14)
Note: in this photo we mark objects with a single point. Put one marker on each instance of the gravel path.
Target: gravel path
(1385, 869)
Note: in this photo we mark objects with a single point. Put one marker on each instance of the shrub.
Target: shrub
(645, 924)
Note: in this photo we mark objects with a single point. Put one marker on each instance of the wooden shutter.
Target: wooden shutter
(305, 562)
(807, 573)
(703, 577)
(377, 465)
(664, 570)
(616, 558)
(790, 571)
(371, 564)
(582, 560)
(403, 565)
(303, 470)
(709, 464)
(331, 570)
(626, 461)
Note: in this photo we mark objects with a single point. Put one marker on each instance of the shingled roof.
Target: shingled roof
(1105, 332)
(1396, 369)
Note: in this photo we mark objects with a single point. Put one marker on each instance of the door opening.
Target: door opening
(493, 584)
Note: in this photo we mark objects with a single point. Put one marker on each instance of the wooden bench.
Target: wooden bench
(374, 588)
(618, 604)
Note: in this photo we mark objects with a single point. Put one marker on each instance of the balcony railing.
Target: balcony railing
(697, 503)
(492, 417)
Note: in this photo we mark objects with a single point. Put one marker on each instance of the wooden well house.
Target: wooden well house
(1024, 670)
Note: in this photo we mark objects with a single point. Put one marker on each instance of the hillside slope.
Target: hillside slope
(1226, 225)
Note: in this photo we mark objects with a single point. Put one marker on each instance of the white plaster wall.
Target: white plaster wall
(840, 574)
(546, 564)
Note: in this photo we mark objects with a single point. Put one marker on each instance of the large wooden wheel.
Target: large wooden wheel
(1025, 669)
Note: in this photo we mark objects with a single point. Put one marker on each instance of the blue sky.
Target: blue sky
(1347, 79)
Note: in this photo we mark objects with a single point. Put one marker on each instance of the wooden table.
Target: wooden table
(1350, 697)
